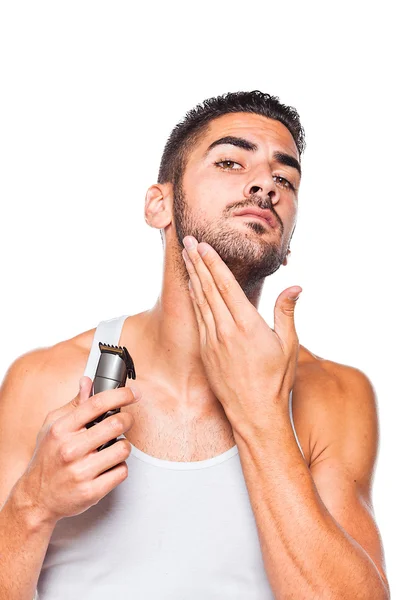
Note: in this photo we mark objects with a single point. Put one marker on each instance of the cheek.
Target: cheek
(207, 194)
(210, 193)
(225, 190)
(293, 213)
(288, 219)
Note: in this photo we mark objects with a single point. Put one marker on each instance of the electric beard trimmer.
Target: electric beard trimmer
(114, 366)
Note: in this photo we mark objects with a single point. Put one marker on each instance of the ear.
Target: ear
(285, 261)
(158, 205)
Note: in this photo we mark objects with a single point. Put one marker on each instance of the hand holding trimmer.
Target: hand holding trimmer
(114, 366)
(66, 474)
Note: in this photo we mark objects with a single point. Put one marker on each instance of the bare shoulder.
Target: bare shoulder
(326, 396)
(37, 382)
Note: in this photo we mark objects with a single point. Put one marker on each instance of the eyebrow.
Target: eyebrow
(281, 157)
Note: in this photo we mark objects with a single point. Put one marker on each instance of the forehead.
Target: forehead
(264, 131)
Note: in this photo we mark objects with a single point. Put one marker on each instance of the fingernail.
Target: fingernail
(188, 243)
(203, 250)
(295, 297)
(136, 393)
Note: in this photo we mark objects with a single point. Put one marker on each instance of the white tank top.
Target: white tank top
(170, 531)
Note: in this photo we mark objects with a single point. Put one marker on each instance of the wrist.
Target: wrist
(25, 508)
(275, 417)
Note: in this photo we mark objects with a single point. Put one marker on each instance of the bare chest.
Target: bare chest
(184, 438)
(171, 435)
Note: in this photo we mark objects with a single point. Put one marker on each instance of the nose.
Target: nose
(263, 184)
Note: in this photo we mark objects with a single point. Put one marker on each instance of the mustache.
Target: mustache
(256, 201)
(263, 204)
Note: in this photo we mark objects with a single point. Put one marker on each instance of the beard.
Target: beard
(250, 255)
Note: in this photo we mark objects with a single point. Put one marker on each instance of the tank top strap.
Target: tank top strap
(107, 332)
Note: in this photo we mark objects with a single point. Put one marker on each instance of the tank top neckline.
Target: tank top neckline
(182, 465)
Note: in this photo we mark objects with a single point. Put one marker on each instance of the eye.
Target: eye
(284, 182)
(227, 161)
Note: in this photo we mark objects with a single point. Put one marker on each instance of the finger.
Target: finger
(89, 440)
(206, 292)
(199, 299)
(199, 318)
(95, 406)
(284, 325)
(225, 284)
(84, 387)
(108, 458)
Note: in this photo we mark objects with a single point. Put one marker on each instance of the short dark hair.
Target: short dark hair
(187, 132)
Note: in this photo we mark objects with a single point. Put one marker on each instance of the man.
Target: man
(225, 498)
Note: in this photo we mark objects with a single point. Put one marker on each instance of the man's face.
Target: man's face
(210, 193)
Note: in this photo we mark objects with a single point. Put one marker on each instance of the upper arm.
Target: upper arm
(19, 419)
(343, 469)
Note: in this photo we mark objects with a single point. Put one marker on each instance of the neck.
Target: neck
(169, 343)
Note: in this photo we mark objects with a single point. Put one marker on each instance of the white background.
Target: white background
(90, 93)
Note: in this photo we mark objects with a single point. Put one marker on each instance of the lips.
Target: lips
(258, 212)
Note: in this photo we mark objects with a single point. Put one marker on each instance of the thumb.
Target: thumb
(85, 385)
(284, 325)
